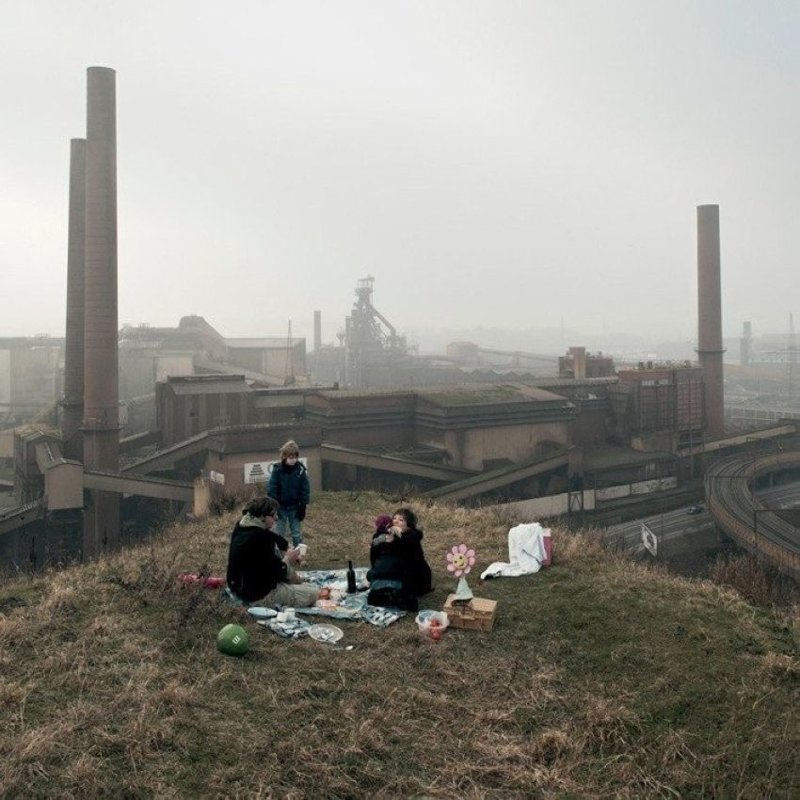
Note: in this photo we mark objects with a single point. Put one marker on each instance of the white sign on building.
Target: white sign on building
(259, 471)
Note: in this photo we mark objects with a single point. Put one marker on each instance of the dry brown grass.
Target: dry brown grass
(600, 679)
(754, 579)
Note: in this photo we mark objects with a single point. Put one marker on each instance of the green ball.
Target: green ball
(233, 640)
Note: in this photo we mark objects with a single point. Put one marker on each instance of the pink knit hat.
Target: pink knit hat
(383, 523)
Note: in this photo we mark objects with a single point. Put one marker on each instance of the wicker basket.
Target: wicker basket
(476, 615)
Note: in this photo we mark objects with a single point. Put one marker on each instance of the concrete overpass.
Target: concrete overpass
(396, 464)
(328, 452)
(498, 478)
(729, 490)
(66, 480)
(13, 518)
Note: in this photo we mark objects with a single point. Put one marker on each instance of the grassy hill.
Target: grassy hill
(601, 678)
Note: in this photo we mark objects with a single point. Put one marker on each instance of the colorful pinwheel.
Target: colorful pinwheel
(460, 560)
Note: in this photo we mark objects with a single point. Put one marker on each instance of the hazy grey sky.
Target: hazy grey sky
(515, 164)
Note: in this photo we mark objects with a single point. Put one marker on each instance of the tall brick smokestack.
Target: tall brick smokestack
(101, 380)
(317, 332)
(709, 318)
(72, 416)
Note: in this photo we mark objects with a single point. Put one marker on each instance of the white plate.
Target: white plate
(328, 634)
(259, 612)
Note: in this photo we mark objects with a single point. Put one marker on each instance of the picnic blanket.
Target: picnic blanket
(527, 552)
(334, 578)
(342, 606)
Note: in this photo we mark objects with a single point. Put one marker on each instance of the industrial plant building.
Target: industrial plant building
(31, 374)
(179, 416)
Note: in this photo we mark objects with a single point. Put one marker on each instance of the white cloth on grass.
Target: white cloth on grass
(526, 552)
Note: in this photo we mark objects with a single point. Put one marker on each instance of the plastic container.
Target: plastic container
(426, 617)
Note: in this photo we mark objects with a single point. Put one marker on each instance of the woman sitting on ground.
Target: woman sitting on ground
(260, 562)
(399, 573)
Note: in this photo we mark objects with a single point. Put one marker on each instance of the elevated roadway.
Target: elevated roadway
(328, 453)
(13, 518)
(731, 501)
(387, 463)
(124, 483)
(499, 478)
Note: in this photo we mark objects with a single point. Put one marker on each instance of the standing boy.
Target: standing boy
(289, 485)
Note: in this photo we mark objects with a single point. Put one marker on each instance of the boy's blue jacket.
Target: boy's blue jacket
(289, 485)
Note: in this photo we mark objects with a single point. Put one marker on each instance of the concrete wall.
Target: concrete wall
(64, 486)
(140, 369)
(543, 507)
(637, 488)
(177, 364)
(232, 466)
(29, 376)
(590, 427)
(183, 416)
(470, 447)
(558, 504)
(275, 361)
(364, 420)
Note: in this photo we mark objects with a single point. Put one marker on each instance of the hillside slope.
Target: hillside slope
(600, 678)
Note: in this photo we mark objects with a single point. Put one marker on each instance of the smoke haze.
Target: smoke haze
(510, 165)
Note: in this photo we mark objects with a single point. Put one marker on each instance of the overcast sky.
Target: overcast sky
(511, 164)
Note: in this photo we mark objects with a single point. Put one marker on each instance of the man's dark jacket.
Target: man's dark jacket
(255, 563)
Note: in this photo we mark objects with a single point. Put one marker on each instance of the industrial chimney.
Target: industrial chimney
(317, 332)
(72, 404)
(746, 344)
(101, 380)
(709, 316)
(578, 362)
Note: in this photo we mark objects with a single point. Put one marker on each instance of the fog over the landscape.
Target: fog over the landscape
(513, 165)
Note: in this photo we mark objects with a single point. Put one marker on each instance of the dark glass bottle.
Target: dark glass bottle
(351, 578)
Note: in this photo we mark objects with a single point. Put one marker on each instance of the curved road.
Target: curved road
(627, 536)
(744, 517)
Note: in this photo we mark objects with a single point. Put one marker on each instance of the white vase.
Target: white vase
(463, 592)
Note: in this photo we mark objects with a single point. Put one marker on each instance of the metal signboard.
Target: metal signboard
(649, 540)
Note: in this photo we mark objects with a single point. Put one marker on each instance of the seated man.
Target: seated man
(260, 561)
